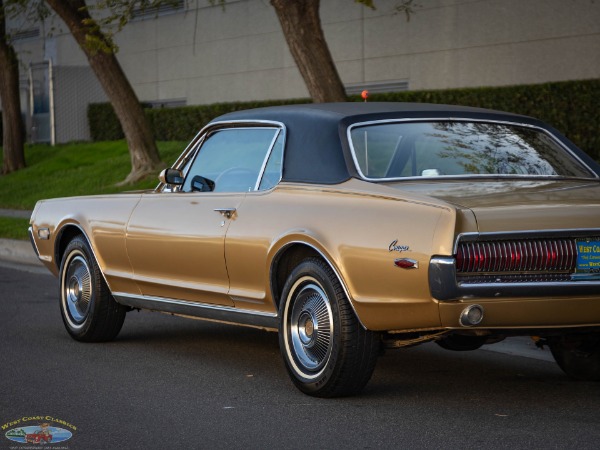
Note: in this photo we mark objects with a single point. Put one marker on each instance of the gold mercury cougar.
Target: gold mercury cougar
(348, 228)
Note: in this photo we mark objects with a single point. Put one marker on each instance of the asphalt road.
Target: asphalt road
(169, 382)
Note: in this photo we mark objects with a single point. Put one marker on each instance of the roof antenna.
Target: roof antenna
(365, 94)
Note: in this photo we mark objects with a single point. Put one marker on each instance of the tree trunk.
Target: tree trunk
(12, 122)
(99, 50)
(301, 27)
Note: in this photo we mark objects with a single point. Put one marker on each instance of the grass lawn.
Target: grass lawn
(68, 170)
(13, 228)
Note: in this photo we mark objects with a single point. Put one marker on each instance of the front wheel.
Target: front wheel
(89, 311)
(578, 355)
(326, 350)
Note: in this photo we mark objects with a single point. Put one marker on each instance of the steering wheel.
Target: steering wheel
(235, 179)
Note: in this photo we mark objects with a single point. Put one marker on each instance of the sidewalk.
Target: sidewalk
(15, 251)
(19, 213)
(19, 252)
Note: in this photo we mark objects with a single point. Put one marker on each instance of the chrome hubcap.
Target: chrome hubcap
(311, 327)
(306, 328)
(78, 289)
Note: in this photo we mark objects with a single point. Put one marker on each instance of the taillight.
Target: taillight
(531, 255)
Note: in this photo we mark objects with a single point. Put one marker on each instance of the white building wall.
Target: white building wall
(206, 54)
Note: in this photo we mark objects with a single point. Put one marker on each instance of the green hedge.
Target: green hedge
(571, 107)
(169, 124)
(104, 125)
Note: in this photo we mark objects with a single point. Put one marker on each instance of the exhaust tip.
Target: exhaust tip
(472, 315)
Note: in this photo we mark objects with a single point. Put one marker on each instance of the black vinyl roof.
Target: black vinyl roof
(317, 150)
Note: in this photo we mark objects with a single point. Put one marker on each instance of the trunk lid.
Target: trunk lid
(509, 205)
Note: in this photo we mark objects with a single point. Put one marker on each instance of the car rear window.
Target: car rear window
(456, 148)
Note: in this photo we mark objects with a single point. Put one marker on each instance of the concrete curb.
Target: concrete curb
(22, 214)
(21, 252)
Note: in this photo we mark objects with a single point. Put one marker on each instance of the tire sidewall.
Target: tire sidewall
(311, 270)
(78, 247)
(578, 360)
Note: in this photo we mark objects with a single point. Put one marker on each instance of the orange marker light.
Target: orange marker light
(364, 94)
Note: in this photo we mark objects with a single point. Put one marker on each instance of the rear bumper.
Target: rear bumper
(526, 313)
(445, 287)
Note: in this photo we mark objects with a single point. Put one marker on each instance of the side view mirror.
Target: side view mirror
(201, 184)
(171, 176)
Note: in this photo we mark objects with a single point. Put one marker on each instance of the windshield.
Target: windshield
(451, 148)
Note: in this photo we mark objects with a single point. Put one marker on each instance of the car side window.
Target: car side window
(230, 160)
(273, 169)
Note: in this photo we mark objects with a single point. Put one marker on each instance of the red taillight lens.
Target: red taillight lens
(533, 255)
(460, 258)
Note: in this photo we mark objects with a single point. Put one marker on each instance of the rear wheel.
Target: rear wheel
(89, 311)
(578, 355)
(326, 350)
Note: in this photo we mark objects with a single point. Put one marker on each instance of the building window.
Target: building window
(21, 35)
(377, 87)
(168, 103)
(162, 9)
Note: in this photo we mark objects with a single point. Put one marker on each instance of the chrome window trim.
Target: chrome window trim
(191, 150)
(261, 174)
(211, 132)
(593, 174)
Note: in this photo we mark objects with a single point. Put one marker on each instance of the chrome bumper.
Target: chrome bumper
(445, 287)
(32, 240)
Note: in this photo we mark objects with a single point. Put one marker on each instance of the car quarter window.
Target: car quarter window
(273, 169)
(230, 160)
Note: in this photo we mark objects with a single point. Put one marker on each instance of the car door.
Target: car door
(250, 236)
(176, 240)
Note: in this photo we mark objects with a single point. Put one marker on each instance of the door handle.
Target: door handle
(226, 212)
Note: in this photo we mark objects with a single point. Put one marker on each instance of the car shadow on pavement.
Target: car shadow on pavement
(422, 372)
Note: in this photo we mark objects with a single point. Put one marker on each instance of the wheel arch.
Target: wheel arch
(288, 257)
(101, 317)
(66, 233)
